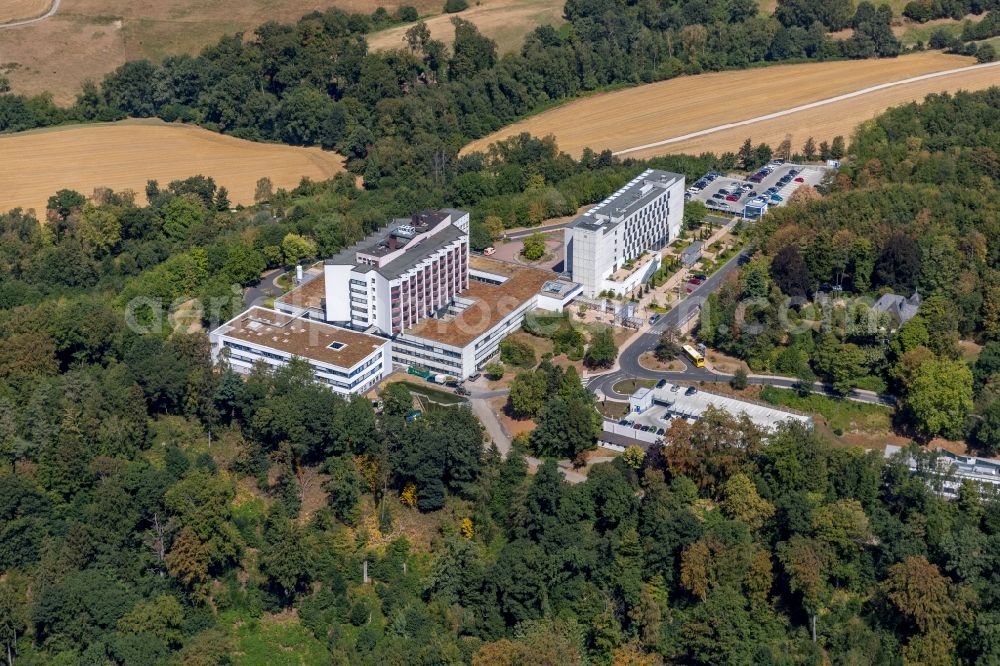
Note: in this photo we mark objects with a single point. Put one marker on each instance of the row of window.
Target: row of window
(285, 358)
(431, 361)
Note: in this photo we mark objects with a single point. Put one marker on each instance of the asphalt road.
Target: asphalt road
(630, 368)
(257, 294)
(524, 233)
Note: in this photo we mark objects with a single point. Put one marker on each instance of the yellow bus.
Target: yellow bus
(699, 360)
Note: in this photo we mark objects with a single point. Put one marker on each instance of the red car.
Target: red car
(732, 197)
(800, 179)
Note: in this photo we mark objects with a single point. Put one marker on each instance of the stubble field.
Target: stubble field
(19, 10)
(86, 39)
(634, 117)
(125, 155)
(504, 21)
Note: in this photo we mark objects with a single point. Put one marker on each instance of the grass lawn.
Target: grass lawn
(284, 281)
(434, 394)
(918, 32)
(630, 386)
(612, 409)
(842, 415)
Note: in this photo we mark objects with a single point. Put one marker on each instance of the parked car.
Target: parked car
(732, 197)
(701, 276)
(752, 193)
(718, 195)
(723, 204)
(776, 197)
(690, 391)
(793, 172)
(622, 421)
(655, 318)
(637, 426)
(800, 179)
(474, 376)
(660, 431)
(661, 383)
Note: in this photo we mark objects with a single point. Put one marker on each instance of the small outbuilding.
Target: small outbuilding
(640, 401)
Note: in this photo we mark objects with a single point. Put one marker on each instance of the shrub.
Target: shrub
(739, 380)
(407, 14)
(495, 370)
(517, 353)
(455, 6)
(534, 247)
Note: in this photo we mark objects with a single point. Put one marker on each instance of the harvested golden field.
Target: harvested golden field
(826, 122)
(636, 116)
(19, 10)
(504, 21)
(86, 39)
(125, 155)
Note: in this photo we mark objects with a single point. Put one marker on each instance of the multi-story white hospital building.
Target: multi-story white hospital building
(414, 288)
(644, 215)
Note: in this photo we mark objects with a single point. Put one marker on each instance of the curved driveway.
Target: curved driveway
(52, 10)
(630, 368)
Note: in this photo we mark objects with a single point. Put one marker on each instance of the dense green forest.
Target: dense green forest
(158, 510)
(155, 509)
(916, 210)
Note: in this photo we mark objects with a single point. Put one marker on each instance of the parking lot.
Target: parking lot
(770, 185)
(671, 401)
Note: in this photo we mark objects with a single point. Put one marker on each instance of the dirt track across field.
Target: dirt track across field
(23, 12)
(34, 165)
(627, 119)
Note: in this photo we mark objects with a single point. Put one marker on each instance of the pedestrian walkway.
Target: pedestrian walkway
(660, 295)
(496, 431)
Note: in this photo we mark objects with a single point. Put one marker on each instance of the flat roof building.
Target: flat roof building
(672, 401)
(347, 361)
(945, 471)
(414, 282)
(645, 214)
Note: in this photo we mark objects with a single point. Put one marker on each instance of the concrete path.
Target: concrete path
(52, 10)
(805, 107)
(481, 408)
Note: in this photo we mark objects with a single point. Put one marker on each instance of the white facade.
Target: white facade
(347, 362)
(400, 275)
(945, 472)
(413, 283)
(646, 214)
